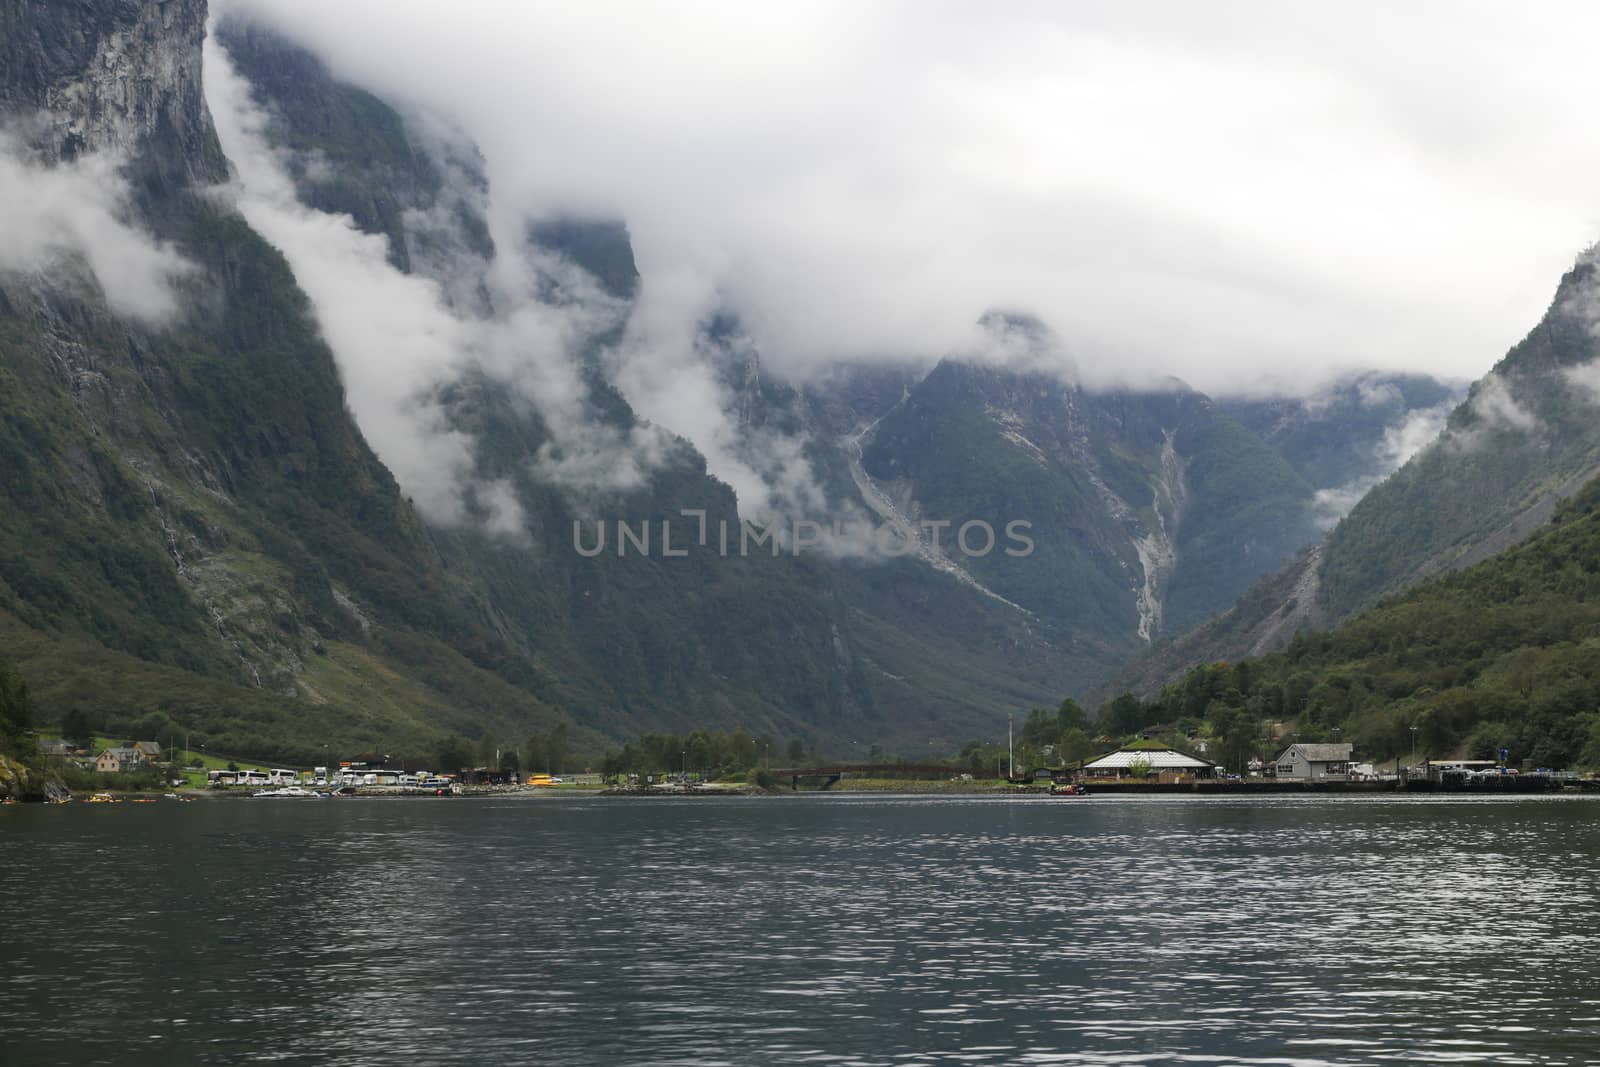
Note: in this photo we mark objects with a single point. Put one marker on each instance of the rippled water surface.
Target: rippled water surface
(822, 929)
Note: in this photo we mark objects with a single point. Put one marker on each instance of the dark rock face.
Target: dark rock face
(112, 74)
(366, 165)
(600, 246)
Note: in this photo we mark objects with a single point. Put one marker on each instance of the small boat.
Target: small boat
(103, 798)
(1070, 790)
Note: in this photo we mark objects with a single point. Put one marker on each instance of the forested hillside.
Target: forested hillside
(1504, 654)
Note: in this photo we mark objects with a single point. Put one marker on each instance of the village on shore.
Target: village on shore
(148, 769)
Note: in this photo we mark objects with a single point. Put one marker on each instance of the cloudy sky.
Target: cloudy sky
(1236, 193)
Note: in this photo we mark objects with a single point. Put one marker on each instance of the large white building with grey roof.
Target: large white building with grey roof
(1137, 761)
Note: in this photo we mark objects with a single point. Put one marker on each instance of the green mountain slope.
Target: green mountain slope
(1150, 510)
(1504, 654)
(1525, 437)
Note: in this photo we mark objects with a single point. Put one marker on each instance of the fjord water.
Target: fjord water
(821, 929)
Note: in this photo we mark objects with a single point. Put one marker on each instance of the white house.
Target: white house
(1315, 763)
(1152, 762)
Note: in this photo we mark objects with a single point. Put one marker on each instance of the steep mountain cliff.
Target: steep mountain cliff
(1526, 436)
(193, 527)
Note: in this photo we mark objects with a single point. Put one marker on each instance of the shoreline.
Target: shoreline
(1525, 786)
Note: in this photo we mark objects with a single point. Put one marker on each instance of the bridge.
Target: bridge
(832, 773)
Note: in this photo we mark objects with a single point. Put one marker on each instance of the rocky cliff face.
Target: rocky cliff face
(111, 75)
(20, 782)
(191, 526)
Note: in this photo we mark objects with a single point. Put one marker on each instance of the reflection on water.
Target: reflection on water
(803, 930)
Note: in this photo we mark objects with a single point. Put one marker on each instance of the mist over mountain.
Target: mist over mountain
(1266, 200)
(1348, 435)
(1524, 438)
(313, 406)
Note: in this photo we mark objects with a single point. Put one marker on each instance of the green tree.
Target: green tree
(1071, 716)
(16, 716)
(510, 760)
(453, 753)
(1076, 745)
(1040, 728)
(1124, 715)
(556, 747)
(77, 728)
(1234, 728)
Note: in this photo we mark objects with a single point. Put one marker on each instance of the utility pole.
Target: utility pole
(1011, 757)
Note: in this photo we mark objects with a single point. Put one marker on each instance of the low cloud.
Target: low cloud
(1497, 409)
(1586, 378)
(1404, 439)
(70, 220)
(1228, 200)
(675, 374)
(1258, 210)
(401, 339)
(394, 343)
(1494, 411)
(1415, 432)
(1583, 304)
